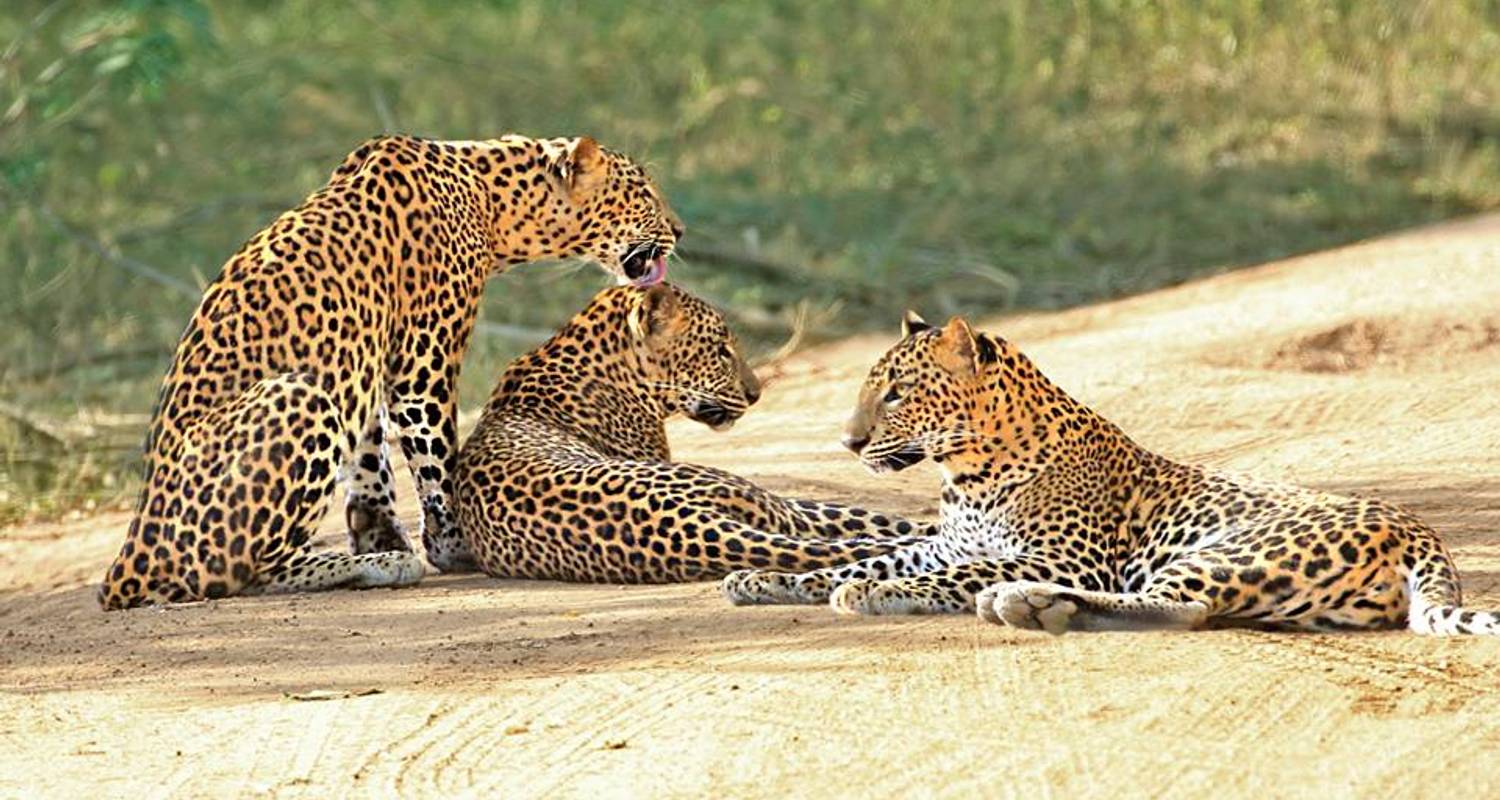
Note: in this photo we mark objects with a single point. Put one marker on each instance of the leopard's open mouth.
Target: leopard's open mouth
(645, 265)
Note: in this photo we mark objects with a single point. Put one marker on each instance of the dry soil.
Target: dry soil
(1371, 369)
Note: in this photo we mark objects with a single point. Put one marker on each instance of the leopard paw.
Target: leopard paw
(444, 542)
(867, 596)
(390, 569)
(448, 551)
(1024, 604)
(372, 530)
(852, 597)
(751, 587)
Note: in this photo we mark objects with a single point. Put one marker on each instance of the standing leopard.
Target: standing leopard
(568, 474)
(348, 315)
(1052, 518)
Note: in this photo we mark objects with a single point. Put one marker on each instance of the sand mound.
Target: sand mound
(1365, 343)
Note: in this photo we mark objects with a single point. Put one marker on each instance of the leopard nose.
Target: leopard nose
(749, 384)
(856, 443)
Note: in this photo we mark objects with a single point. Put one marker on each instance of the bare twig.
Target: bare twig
(31, 28)
(202, 213)
(42, 17)
(31, 424)
(778, 271)
(89, 360)
(801, 321)
(132, 265)
(514, 332)
(714, 254)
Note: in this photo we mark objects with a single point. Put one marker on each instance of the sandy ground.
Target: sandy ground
(1370, 369)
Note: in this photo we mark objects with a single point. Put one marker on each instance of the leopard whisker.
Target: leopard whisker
(701, 394)
(910, 445)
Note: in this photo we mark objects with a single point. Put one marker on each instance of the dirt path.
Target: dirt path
(1370, 369)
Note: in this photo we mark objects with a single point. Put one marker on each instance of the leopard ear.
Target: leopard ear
(584, 167)
(657, 308)
(912, 323)
(958, 350)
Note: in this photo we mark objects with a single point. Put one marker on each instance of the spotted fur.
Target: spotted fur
(1052, 518)
(568, 474)
(344, 319)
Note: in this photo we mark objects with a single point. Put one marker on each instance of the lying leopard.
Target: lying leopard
(568, 475)
(1053, 519)
(347, 315)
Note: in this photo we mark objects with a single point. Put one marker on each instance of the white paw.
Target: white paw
(852, 597)
(748, 587)
(392, 569)
(408, 569)
(1028, 605)
(751, 587)
(866, 596)
(736, 588)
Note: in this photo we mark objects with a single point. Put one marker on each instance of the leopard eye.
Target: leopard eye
(892, 394)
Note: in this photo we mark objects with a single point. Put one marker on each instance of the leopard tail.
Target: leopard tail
(1435, 607)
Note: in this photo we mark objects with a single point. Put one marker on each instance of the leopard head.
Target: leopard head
(923, 398)
(694, 361)
(613, 213)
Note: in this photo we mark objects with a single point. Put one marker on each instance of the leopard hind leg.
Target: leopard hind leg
(839, 521)
(370, 505)
(229, 507)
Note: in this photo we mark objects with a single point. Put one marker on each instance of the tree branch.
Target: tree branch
(132, 265)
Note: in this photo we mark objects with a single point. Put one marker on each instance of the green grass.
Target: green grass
(848, 158)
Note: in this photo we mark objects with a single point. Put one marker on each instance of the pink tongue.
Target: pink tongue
(655, 274)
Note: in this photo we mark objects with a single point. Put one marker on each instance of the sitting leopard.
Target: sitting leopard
(568, 475)
(1052, 518)
(349, 314)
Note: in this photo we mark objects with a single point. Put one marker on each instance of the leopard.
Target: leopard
(1052, 518)
(568, 475)
(343, 321)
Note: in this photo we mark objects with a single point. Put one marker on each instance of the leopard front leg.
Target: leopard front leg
(314, 572)
(1057, 609)
(423, 408)
(759, 587)
(764, 587)
(370, 505)
(946, 591)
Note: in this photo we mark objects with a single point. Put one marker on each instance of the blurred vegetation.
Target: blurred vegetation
(835, 161)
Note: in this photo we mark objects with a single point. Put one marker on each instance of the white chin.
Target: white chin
(875, 467)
